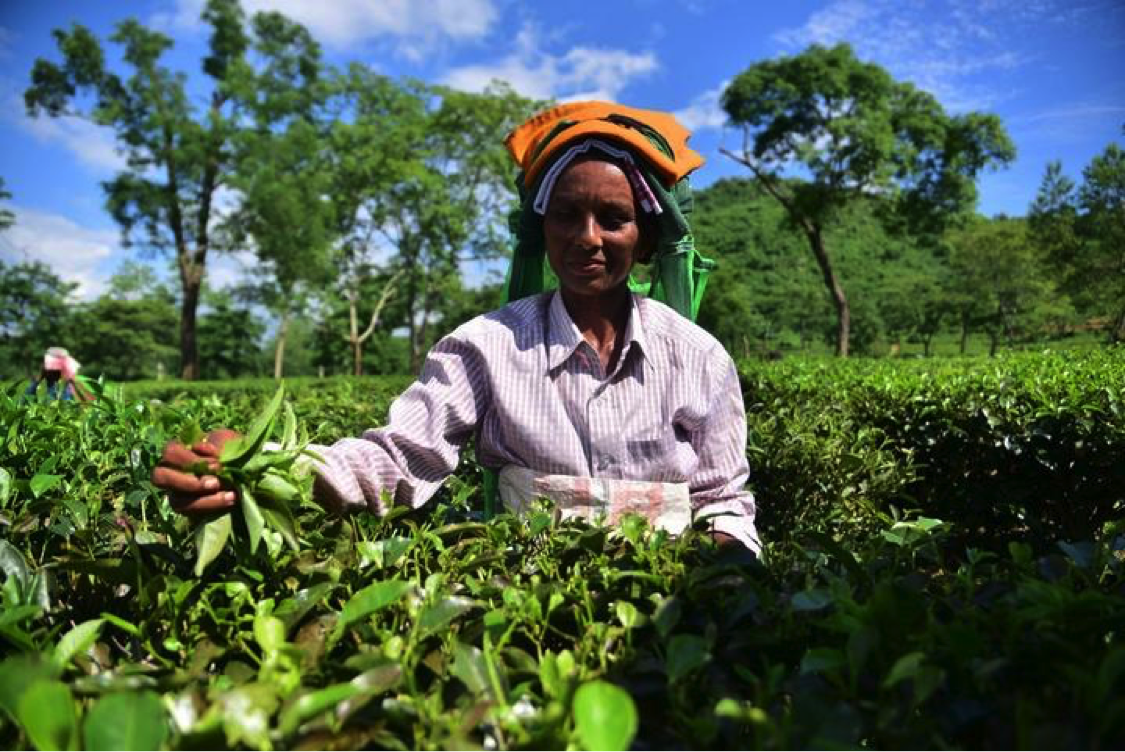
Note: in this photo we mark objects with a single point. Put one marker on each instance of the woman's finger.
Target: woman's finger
(203, 504)
(186, 484)
(177, 455)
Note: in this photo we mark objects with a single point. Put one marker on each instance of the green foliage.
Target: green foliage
(1021, 448)
(1082, 232)
(943, 568)
(857, 133)
(34, 315)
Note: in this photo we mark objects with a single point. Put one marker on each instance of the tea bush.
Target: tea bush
(867, 623)
(1027, 447)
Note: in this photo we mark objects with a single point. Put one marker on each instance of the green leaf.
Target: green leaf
(239, 450)
(314, 703)
(811, 600)
(252, 515)
(77, 640)
(41, 483)
(470, 668)
(46, 712)
(275, 488)
(905, 667)
(126, 720)
(686, 653)
(293, 609)
(5, 485)
(604, 716)
(210, 539)
(369, 600)
(18, 673)
(437, 616)
(281, 519)
(289, 430)
(13, 564)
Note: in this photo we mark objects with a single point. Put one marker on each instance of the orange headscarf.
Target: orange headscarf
(534, 144)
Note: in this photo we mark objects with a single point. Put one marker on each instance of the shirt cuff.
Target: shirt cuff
(734, 521)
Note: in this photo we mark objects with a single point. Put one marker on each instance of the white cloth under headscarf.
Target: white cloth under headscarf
(641, 189)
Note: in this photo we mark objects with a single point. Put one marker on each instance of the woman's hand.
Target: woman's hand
(190, 493)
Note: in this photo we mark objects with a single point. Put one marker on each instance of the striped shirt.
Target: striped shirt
(524, 382)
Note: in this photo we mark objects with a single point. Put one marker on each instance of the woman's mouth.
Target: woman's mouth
(588, 267)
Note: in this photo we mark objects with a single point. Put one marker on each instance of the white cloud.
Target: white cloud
(580, 73)
(705, 111)
(95, 146)
(954, 52)
(75, 253)
(418, 25)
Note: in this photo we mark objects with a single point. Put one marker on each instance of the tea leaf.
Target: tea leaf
(253, 518)
(469, 667)
(126, 720)
(42, 483)
(369, 600)
(437, 616)
(605, 716)
(210, 539)
(77, 640)
(46, 712)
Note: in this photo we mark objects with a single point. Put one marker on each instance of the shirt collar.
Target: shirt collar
(563, 337)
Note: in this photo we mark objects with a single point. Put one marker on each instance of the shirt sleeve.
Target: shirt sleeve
(718, 485)
(406, 461)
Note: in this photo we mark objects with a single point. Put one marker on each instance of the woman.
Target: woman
(58, 367)
(597, 397)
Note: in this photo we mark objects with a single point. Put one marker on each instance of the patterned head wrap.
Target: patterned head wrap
(654, 145)
(58, 359)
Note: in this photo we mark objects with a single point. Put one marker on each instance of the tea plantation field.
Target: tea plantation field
(944, 567)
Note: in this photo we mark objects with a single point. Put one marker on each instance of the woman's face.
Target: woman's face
(592, 229)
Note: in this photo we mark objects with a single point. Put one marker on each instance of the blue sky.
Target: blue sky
(1052, 69)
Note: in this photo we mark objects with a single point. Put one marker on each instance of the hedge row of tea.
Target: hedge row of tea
(931, 581)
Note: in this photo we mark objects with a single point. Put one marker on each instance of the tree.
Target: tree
(34, 314)
(1102, 201)
(286, 212)
(178, 155)
(1001, 283)
(430, 182)
(230, 338)
(7, 219)
(854, 131)
(1081, 230)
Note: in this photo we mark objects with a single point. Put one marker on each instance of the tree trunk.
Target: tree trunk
(279, 348)
(964, 332)
(993, 342)
(926, 345)
(189, 349)
(839, 300)
(1117, 328)
(353, 334)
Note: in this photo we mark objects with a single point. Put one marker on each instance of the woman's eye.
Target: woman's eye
(615, 221)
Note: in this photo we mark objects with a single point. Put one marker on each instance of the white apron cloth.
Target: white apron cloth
(666, 506)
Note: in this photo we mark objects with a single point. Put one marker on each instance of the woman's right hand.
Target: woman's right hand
(190, 493)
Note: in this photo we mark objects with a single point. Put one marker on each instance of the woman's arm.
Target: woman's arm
(428, 425)
(718, 485)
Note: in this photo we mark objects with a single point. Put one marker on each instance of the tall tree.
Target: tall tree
(1001, 283)
(7, 219)
(286, 213)
(178, 155)
(1082, 231)
(854, 131)
(431, 181)
(35, 313)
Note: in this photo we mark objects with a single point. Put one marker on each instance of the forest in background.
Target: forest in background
(363, 200)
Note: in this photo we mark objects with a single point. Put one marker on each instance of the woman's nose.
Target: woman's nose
(589, 233)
